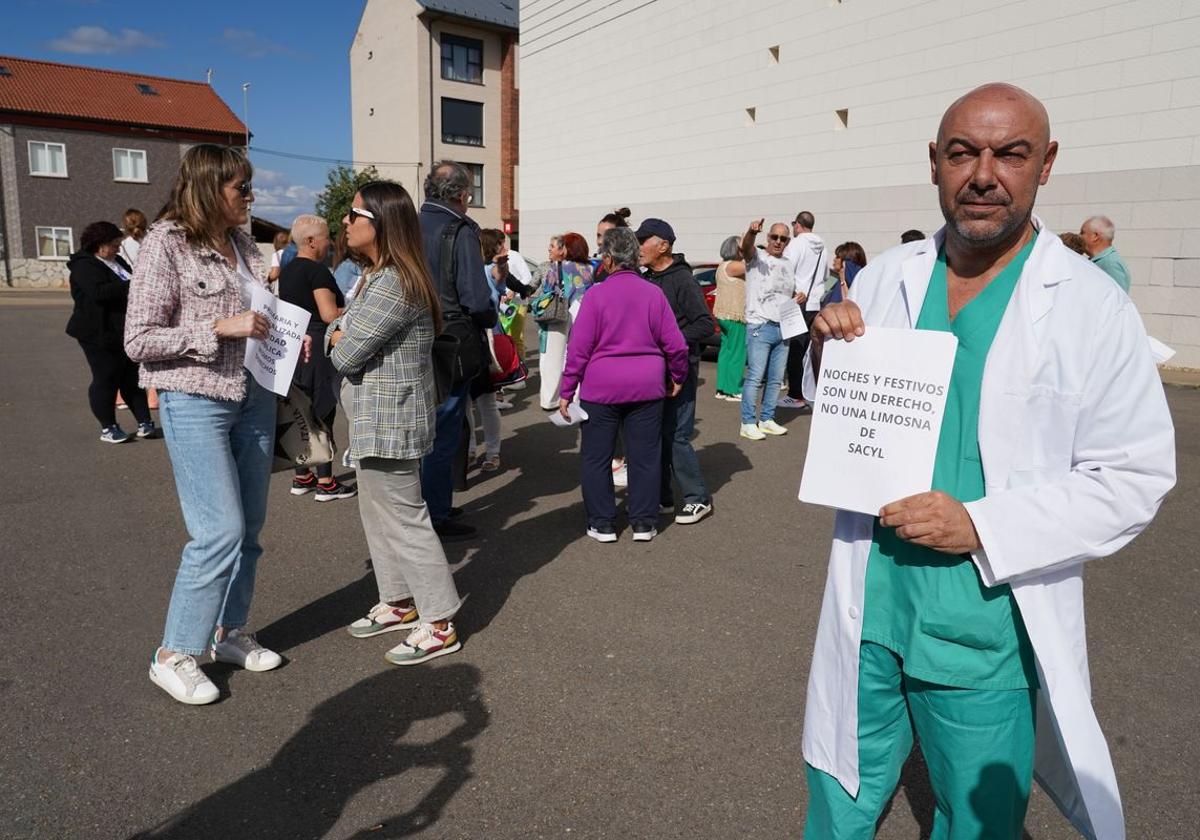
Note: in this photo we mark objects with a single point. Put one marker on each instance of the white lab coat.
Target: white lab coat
(1078, 451)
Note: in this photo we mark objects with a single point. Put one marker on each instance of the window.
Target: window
(48, 159)
(462, 59)
(462, 122)
(53, 243)
(146, 90)
(4, 71)
(476, 183)
(129, 165)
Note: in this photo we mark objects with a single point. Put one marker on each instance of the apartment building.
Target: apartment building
(711, 112)
(79, 145)
(437, 79)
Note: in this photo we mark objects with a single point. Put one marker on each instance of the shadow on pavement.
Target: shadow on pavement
(357, 738)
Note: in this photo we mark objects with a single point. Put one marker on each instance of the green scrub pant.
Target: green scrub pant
(731, 359)
(977, 744)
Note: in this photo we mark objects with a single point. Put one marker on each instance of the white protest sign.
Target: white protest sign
(877, 417)
(272, 360)
(791, 319)
(577, 416)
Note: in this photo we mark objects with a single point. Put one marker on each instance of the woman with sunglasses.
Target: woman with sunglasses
(382, 344)
(188, 320)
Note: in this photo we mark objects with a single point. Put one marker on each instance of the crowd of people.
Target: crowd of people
(949, 617)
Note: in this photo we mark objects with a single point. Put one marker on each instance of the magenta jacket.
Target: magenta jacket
(623, 343)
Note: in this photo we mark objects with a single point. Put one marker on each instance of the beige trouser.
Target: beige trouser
(405, 550)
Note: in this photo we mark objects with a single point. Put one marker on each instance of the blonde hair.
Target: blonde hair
(196, 203)
(306, 225)
(398, 240)
(134, 223)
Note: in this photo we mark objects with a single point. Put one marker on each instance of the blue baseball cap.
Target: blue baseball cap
(655, 227)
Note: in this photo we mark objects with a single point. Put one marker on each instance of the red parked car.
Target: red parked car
(706, 279)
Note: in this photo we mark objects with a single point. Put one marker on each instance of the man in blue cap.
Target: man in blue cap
(671, 273)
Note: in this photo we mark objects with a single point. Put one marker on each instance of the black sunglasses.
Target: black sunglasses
(245, 188)
(775, 237)
(355, 213)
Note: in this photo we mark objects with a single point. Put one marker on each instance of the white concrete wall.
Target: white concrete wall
(645, 105)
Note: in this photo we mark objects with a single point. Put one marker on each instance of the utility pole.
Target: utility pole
(246, 112)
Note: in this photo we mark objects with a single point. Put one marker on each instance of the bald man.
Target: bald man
(957, 614)
(1098, 233)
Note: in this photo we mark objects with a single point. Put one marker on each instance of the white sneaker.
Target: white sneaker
(602, 533)
(182, 678)
(751, 431)
(770, 427)
(238, 648)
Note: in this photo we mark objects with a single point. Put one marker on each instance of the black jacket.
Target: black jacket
(466, 294)
(100, 298)
(687, 302)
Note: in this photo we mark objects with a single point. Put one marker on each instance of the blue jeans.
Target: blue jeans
(678, 457)
(766, 355)
(221, 454)
(437, 468)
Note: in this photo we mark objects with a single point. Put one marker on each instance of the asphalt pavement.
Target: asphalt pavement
(628, 690)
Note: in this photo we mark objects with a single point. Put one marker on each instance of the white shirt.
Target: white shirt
(808, 253)
(770, 281)
(129, 250)
(275, 258)
(245, 275)
(117, 268)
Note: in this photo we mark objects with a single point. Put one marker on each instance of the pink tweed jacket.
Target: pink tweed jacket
(177, 294)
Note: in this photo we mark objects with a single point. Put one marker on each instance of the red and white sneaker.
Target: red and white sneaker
(425, 643)
(384, 618)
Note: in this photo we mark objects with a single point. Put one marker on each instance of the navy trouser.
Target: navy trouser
(678, 457)
(437, 468)
(642, 422)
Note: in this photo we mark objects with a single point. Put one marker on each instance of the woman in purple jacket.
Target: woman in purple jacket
(624, 344)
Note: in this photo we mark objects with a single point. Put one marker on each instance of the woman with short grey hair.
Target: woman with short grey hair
(730, 312)
(624, 344)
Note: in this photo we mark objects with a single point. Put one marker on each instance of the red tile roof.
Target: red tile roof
(46, 88)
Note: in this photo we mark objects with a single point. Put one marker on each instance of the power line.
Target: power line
(342, 161)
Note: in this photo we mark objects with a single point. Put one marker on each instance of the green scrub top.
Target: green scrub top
(931, 609)
(1113, 266)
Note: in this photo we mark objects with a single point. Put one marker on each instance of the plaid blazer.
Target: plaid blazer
(384, 353)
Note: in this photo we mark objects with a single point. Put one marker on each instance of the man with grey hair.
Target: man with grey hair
(1098, 233)
(455, 260)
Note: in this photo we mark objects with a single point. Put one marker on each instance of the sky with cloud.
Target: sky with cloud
(294, 56)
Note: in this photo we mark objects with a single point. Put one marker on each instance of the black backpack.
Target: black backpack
(458, 352)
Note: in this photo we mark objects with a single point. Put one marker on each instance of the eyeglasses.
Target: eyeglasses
(355, 212)
(245, 188)
(775, 237)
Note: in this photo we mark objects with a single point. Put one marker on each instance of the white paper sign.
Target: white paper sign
(578, 415)
(791, 319)
(272, 360)
(877, 417)
(1161, 352)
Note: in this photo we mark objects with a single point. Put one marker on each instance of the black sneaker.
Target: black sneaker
(602, 533)
(334, 489)
(453, 531)
(300, 486)
(644, 533)
(147, 430)
(455, 512)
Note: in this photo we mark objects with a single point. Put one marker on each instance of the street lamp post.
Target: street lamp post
(246, 112)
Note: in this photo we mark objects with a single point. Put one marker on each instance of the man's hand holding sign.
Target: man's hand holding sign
(931, 518)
